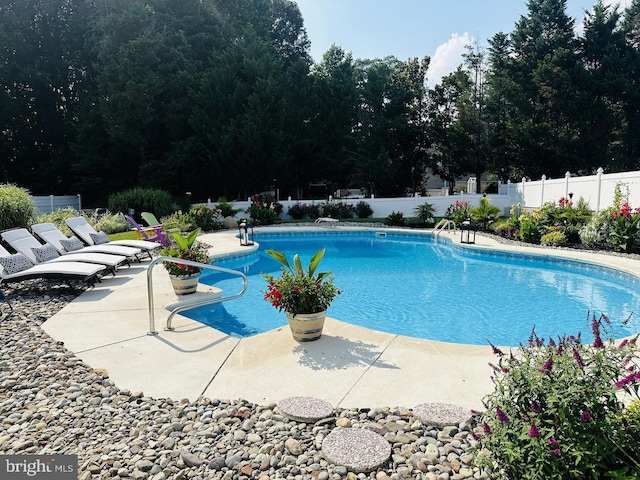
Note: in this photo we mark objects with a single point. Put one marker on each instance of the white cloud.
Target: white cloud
(447, 58)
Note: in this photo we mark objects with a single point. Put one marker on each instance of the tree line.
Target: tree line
(221, 98)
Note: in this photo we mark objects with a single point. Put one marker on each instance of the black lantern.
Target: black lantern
(466, 227)
(246, 233)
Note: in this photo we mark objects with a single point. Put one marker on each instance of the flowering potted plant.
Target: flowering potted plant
(302, 294)
(185, 277)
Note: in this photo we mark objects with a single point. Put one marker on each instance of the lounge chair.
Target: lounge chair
(49, 233)
(17, 268)
(151, 219)
(22, 241)
(151, 234)
(88, 235)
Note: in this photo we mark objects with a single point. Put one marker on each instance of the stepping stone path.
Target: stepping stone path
(305, 409)
(441, 414)
(357, 449)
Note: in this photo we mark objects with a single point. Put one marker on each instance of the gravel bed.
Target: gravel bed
(53, 403)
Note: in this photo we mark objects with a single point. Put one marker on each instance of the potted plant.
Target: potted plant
(184, 278)
(302, 294)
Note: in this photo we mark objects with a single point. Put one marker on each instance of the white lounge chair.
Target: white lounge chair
(17, 268)
(331, 222)
(88, 235)
(22, 241)
(49, 233)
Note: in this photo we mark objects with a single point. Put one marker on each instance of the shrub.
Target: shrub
(264, 210)
(177, 221)
(530, 227)
(313, 211)
(16, 207)
(156, 201)
(590, 233)
(226, 209)
(555, 411)
(108, 222)
(205, 218)
(425, 212)
(553, 239)
(363, 209)
(330, 209)
(297, 211)
(58, 218)
(457, 211)
(485, 213)
(507, 231)
(395, 219)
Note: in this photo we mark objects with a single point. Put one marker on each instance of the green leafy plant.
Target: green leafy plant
(298, 290)
(205, 218)
(141, 200)
(553, 239)
(556, 412)
(297, 211)
(16, 207)
(530, 227)
(395, 219)
(226, 209)
(485, 213)
(264, 210)
(108, 222)
(188, 248)
(363, 209)
(458, 211)
(425, 212)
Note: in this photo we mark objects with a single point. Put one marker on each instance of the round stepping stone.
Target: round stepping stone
(357, 449)
(305, 409)
(441, 414)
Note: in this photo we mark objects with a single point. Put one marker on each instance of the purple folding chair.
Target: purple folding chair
(151, 234)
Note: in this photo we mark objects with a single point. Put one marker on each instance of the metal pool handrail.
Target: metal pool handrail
(152, 322)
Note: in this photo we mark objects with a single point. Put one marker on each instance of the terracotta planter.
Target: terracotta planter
(185, 285)
(306, 327)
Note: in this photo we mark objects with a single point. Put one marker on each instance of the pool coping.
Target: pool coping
(348, 366)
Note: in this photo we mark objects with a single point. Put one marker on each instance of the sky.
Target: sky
(416, 28)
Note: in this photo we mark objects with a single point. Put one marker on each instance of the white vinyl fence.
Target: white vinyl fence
(597, 190)
(383, 207)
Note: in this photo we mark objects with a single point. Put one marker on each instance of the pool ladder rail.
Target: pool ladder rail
(442, 225)
(181, 308)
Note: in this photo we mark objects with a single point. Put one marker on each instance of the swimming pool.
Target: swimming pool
(410, 285)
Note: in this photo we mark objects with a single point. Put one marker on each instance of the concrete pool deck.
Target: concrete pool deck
(348, 366)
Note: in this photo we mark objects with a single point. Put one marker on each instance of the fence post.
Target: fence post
(600, 172)
(79, 203)
(51, 203)
(566, 184)
(524, 180)
(542, 180)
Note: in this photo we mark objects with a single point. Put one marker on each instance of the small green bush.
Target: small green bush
(553, 239)
(177, 221)
(156, 201)
(485, 214)
(363, 209)
(425, 212)
(226, 209)
(297, 211)
(205, 218)
(395, 219)
(108, 222)
(16, 207)
(58, 217)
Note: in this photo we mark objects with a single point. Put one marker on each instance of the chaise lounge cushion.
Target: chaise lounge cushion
(99, 238)
(45, 253)
(71, 244)
(15, 263)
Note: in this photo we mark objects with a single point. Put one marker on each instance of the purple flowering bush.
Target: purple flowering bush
(557, 411)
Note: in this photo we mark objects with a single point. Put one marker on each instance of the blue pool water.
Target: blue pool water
(410, 285)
